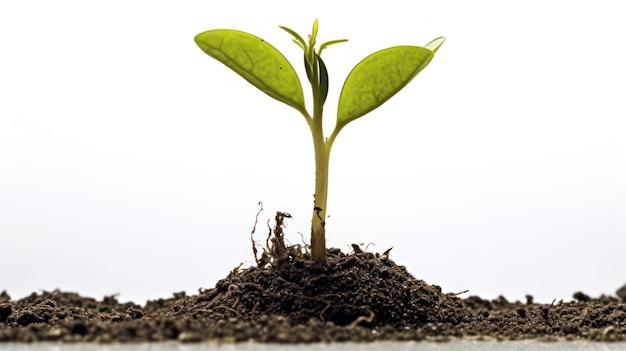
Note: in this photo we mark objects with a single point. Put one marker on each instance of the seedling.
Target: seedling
(370, 83)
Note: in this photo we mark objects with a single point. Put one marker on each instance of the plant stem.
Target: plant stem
(318, 221)
(322, 158)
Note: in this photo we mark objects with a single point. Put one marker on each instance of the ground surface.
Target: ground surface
(288, 298)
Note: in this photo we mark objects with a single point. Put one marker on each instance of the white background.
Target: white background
(131, 163)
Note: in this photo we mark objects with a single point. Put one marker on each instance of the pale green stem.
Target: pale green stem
(322, 157)
(318, 221)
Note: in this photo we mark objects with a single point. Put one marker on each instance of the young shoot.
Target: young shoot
(371, 82)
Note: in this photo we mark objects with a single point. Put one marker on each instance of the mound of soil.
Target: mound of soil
(288, 298)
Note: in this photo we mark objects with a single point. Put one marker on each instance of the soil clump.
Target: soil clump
(288, 298)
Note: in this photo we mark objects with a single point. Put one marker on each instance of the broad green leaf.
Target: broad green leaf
(257, 61)
(377, 78)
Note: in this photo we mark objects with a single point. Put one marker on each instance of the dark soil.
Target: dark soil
(287, 298)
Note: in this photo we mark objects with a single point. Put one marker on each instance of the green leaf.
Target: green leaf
(377, 78)
(329, 43)
(309, 70)
(435, 44)
(257, 61)
(296, 37)
(323, 78)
